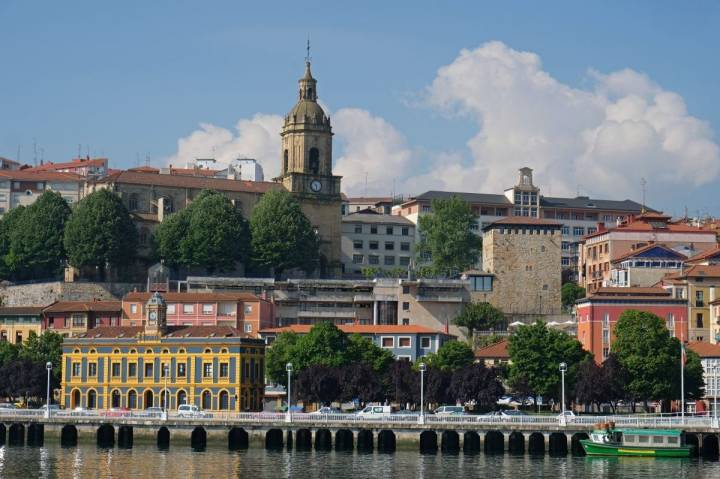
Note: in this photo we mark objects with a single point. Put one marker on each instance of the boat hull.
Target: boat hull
(594, 449)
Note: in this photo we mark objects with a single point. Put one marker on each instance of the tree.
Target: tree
(536, 352)
(362, 350)
(651, 358)
(8, 224)
(447, 238)
(615, 380)
(24, 378)
(278, 355)
(36, 239)
(43, 348)
(437, 384)
(571, 292)
(100, 232)
(324, 345)
(402, 383)
(359, 381)
(8, 352)
(318, 384)
(170, 234)
(452, 355)
(282, 236)
(590, 386)
(478, 317)
(476, 383)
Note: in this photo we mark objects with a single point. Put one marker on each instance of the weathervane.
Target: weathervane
(307, 57)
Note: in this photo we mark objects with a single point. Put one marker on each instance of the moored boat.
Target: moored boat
(606, 440)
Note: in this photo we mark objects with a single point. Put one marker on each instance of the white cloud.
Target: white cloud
(600, 140)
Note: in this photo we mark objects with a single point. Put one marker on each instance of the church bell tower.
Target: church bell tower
(306, 155)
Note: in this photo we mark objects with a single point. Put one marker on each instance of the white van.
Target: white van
(189, 410)
(450, 411)
(376, 411)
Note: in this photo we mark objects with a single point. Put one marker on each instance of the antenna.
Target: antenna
(643, 183)
(34, 152)
(147, 159)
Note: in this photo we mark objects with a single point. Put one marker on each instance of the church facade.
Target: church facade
(151, 195)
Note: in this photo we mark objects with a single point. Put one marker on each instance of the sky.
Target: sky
(451, 96)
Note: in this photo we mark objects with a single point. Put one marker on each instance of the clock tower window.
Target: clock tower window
(285, 161)
(314, 161)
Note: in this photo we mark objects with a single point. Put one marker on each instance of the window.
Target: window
(387, 342)
(373, 229)
(373, 245)
(76, 369)
(566, 231)
(389, 245)
(578, 231)
(358, 228)
(699, 299)
(404, 246)
(207, 370)
(389, 230)
(565, 261)
(115, 370)
(207, 308)
(643, 439)
(404, 342)
(405, 231)
(591, 230)
(163, 367)
(148, 370)
(314, 155)
(248, 327)
(389, 260)
(358, 259)
(188, 308)
(78, 320)
(481, 283)
(181, 370)
(406, 306)
(699, 320)
(426, 208)
(657, 439)
(132, 370)
(357, 244)
(133, 308)
(171, 308)
(565, 246)
(224, 370)
(404, 260)
(425, 343)
(373, 259)
(672, 440)
(406, 321)
(92, 369)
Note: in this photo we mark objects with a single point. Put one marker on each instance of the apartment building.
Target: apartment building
(600, 249)
(22, 187)
(699, 286)
(73, 318)
(376, 241)
(578, 216)
(16, 323)
(84, 167)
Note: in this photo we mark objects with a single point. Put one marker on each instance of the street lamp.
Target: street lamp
(289, 369)
(716, 370)
(422, 368)
(48, 366)
(166, 370)
(563, 368)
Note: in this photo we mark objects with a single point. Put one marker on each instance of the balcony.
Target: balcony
(327, 313)
(440, 298)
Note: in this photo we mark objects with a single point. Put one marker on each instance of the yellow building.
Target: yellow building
(699, 285)
(16, 323)
(214, 367)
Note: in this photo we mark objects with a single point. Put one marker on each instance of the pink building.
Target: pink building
(598, 313)
(244, 311)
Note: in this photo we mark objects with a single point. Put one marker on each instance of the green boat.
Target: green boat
(608, 441)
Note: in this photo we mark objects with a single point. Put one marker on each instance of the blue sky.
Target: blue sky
(131, 79)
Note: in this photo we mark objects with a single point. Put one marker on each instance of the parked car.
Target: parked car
(116, 412)
(327, 410)
(376, 411)
(52, 407)
(569, 416)
(505, 413)
(450, 411)
(7, 405)
(153, 412)
(190, 410)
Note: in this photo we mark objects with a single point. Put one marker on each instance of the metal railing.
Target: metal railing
(551, 421)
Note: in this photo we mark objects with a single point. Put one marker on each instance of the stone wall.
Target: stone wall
(41, 294)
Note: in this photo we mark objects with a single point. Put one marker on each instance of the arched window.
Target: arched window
(132, 399)
(285, 161)
(75, 399)
(115, 400)
(91, 399)
(148, 351)
(310, 93)
(166, 351)
(181, 397)
(165, 399)
(116, 351)
(143, 236)
(206, 401)
(223, 351)
(148, 399)
(224, 401)
(208, 350)
(133, 202)
(167, 205)
(314, 161)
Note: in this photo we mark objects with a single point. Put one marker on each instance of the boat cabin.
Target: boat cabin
(638, 437)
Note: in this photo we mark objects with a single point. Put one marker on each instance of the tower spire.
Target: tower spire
(307, 55)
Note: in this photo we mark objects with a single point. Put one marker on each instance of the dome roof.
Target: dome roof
(307, 108)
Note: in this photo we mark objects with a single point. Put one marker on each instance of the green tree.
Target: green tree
(8, 224)
(447, 238)
(571, 292)
(451, 356)
(536, 352)
(282, 236)
(324, 345)
(36, 239)
(477, 383)
(362, 350)
(170, 234)
(43, 348)
(8, 352)
(278, 355)
(478, 317)
(651, 357)
(100, 232)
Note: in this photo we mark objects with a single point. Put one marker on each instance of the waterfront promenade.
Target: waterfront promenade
(469, 433)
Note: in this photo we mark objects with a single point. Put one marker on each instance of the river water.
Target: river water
(86, 460)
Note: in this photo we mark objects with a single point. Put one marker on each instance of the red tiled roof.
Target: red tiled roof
(171, 332)
(698, 271)
(525, 220)
(21, 310)
(76, 163)
(705, 255)
(360, 329)
(197, 182)
(638, 291)
(27, 175)
(498, 350)
(85, 306)
(641, 223)
(192, 297)
(705, 350)
(144, 169)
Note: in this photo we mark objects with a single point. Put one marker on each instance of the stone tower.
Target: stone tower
(306, 156)
(156, 311)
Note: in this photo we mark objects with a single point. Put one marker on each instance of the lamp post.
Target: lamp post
(422, 368)
(716, 370)
(563, 368)
(166, 370)
(48, 366)
(289, 369)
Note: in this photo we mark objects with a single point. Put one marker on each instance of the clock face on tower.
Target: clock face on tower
(153, 315)
(315, 185)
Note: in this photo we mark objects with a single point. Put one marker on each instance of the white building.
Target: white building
(22, 187)
(249, 169)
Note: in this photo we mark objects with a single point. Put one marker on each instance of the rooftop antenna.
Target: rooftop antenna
(42, 155)
(643, 183)
(147, 159)
(34, 152)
